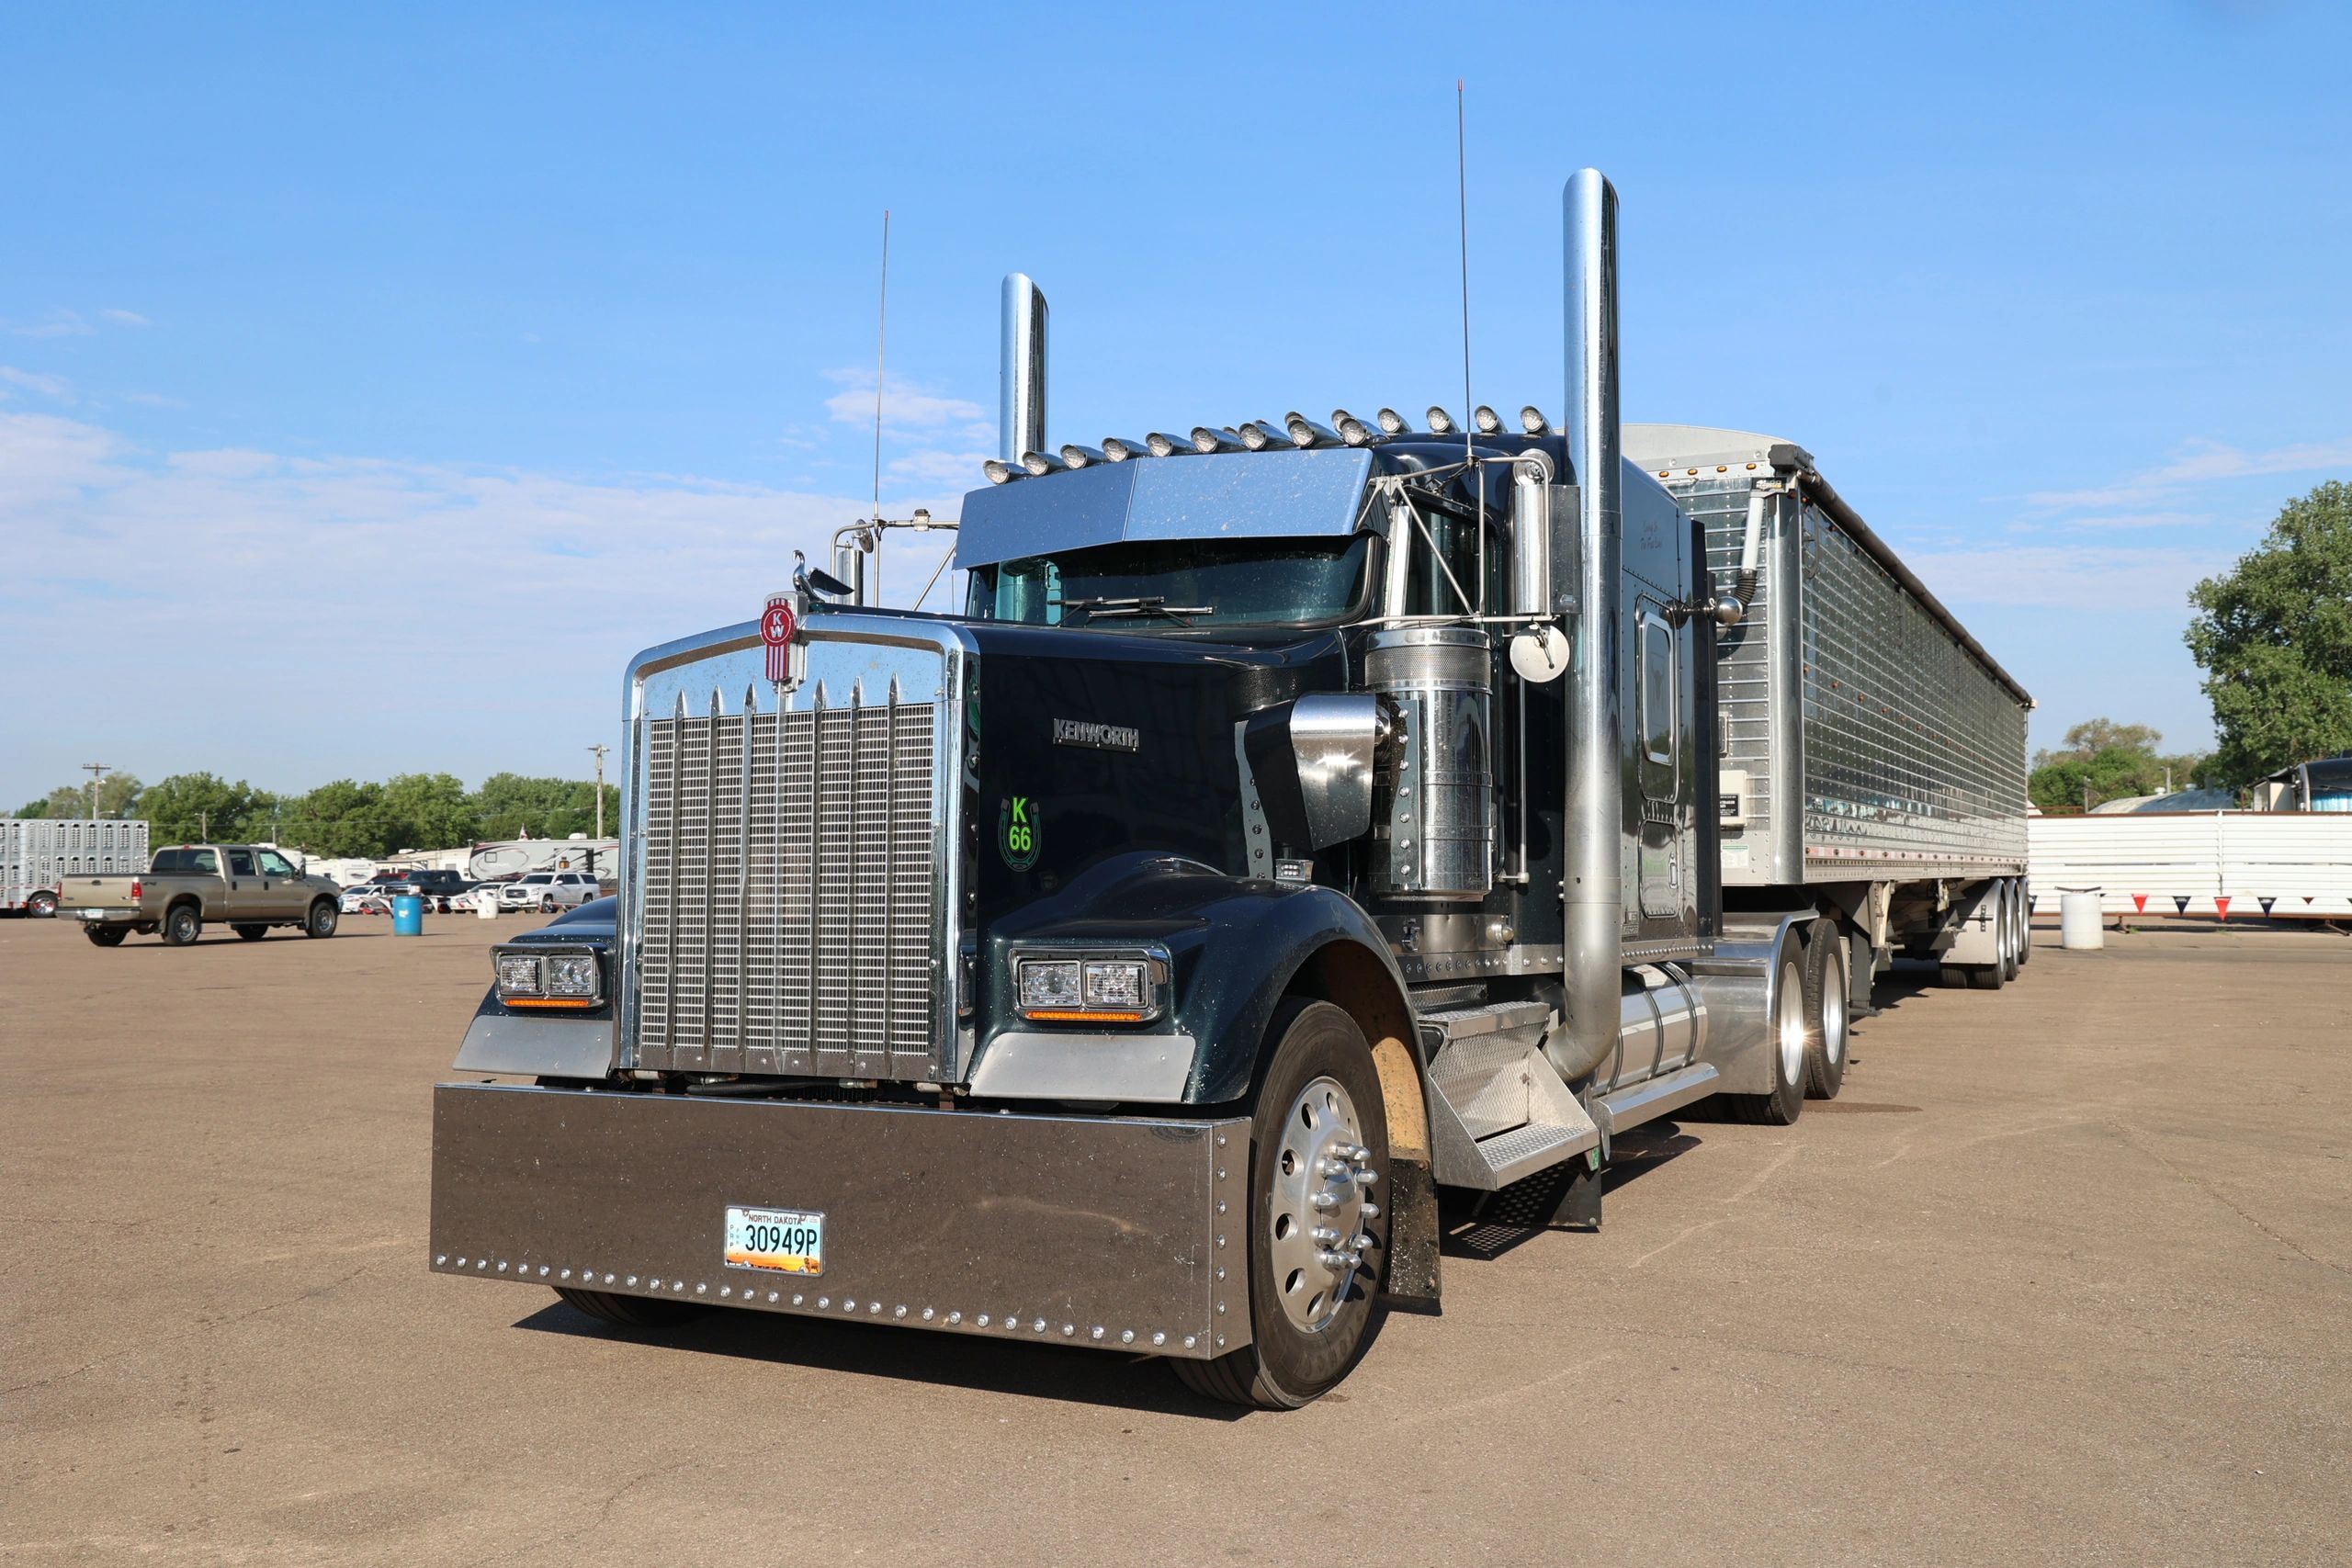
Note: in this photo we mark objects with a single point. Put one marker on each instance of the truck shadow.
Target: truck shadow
(1007, 1367)
(1488, 1225)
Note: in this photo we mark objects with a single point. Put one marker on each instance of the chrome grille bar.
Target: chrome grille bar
(788, 875)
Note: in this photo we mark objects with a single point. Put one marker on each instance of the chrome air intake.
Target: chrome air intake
(1433, 814)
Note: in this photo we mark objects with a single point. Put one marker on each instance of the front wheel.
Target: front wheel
(322, 919)
(182, 926)
(547, 903)
(105, 936)
(1319, 1149)
(41, 905)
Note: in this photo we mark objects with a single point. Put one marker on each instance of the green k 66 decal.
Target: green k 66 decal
(1016, 834)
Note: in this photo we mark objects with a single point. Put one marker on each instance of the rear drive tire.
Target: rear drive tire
(1826, 1010)
(105, 936)
(323, 918)
(2012, 932)
(628, 1311)
(41, 905)
(1318, 1110)
(250, 933)
(1785, 1044)
(183, 923)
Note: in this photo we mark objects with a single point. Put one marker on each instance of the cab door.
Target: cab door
(283, 893)
(241, 896)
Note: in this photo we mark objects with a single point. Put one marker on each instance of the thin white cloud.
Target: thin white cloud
(45, 460)
(906, 405)
(2205, 461)
(57, 323)
(2067, 577)
(56, 387)
(123, 318)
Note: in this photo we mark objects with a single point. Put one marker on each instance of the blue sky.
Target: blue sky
(372, 384)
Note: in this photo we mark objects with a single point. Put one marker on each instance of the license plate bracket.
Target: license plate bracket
(775, 1241)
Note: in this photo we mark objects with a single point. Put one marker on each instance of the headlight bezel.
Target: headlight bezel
(1090, 985)
(534, 974)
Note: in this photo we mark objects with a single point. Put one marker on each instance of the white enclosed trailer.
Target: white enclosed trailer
(36, 851)
(1873, 752)
(2234, 865)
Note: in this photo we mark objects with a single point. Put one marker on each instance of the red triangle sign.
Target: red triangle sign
(2221, 902)
(2140, 902)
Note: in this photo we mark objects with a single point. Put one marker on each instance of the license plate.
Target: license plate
(782, 1241)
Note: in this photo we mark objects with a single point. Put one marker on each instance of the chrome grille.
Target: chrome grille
(789, 870)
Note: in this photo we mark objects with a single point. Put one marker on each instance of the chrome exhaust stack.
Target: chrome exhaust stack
(1592, 951)
(1021, 375)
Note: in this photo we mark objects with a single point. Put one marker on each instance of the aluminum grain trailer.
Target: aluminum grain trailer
(37, 852)
(1873, 752)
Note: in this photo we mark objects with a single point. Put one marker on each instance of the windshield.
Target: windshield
(1177, 582)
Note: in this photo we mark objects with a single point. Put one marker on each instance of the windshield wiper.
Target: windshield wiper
(1136, 608)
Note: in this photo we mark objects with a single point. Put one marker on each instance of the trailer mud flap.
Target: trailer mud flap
(1116, 1232)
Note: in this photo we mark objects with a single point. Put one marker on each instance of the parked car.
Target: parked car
(437, 889)
(548, 891)
(366, 898)
(250, 888)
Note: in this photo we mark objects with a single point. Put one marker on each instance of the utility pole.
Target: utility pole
(97, 771)
(600, 751)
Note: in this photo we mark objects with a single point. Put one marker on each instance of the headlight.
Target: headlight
(563, 978)
(1091, 987)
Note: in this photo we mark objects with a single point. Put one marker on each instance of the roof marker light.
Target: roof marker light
(1489, 422)
(1163, 444)
(1042, 463)
(1000, 472)
(1532, 419)
(1257, 435)
(1305, 433)
(1440, 421)
(1118, 449)
(1077, 456)
(1356, 433)
(1391, 421)
(1209, 438)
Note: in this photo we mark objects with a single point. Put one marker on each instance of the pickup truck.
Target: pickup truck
(248, 887)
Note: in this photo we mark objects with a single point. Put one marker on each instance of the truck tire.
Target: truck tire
(2012, 923)
(250, 933)
(41, 905)
(1826, 1010)
(628, 1311)
(2025, 924)
(183, 923)
(1319, 1110)
(547, 903)
(1786, 1048)
(322, 919)
(105, 936)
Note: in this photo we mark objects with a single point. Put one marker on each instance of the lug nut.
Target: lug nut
(1366, 1178)
(1335, 1260)
(1324, 1235)
(1371, 1210)
(1325, 1200)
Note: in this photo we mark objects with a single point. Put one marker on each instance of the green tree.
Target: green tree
(2274, 637)
(511, 804)
(429, 811)
(2104, 761)
(118, 794)
(345, 818)
(195, 805)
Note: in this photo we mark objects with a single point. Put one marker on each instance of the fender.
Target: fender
(1234, 946)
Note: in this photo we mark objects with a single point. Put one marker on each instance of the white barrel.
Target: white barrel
(2079, 925)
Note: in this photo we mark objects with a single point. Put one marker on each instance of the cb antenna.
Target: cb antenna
(1462, 190)
(881, 344)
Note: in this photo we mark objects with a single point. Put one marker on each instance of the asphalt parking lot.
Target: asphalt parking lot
(2065, 1277)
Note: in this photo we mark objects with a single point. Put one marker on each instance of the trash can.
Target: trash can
(2080, 928)
(408, 915)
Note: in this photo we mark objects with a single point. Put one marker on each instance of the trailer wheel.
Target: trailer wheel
(250, 933)
(182, 925)
(2025, 924)
(1319, 1149)
(1825, 1010)
(628, 1311)
(41, 905)
(322, 919)
(1787, 1049)
(2013, 929)
(105, 936)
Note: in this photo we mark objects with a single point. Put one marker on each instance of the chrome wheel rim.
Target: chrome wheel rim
(1832, 1011)
(1791, 1025)
(1315, 1225)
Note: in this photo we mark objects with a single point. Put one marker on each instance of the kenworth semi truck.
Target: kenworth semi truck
(1296, 819)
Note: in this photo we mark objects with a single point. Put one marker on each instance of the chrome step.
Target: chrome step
(1499, 1111)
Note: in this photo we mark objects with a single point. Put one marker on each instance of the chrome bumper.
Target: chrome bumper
(1115, 1233)
(102, 916)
